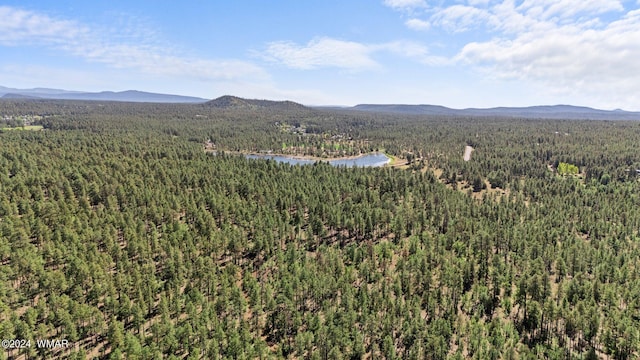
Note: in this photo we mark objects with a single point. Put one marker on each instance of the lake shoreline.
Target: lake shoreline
(380, 159)
(390, 160)
(315, 158)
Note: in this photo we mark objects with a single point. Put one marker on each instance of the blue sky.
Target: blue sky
(459, 53)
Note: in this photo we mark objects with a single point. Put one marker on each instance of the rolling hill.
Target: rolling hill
(541, 112)
(238, 103)
(129, 95)
(234, 102)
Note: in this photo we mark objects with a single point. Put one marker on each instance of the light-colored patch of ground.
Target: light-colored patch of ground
(209, 146)
(436, 172)
(397, 162)
(467, 153)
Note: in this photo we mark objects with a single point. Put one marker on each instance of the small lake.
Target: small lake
(369, 160)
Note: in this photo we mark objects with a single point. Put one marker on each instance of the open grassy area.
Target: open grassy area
(29, 127)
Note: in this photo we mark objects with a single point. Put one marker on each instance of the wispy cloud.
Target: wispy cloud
(116, 47)
(546, 9)
(411, 50)
(326, 52)
(322, 52)
(460, 18)
(26, 27)
(417, 24)
(405, 4)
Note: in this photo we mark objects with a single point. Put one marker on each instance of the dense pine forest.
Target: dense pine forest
(140, 231)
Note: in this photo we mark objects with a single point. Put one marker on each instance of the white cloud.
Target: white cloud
(508, 16)
(574, 58)
(417, 24)
(20, 26)
(511, 20)
(118, 48)
(322, 52)
(405, 4)
(459, 18)
(545, 9)
(352, 56)
(403, 48)
(586, 48)
(478, 2)
(156, 61)
(412, 50)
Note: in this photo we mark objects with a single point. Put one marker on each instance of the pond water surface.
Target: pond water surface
(369, 160)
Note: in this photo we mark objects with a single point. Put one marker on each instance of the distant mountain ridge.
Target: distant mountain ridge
(542, 111)
(129, 95)
(18, 96)
(234, 102)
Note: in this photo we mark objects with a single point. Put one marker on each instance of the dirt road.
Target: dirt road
(467, 153)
